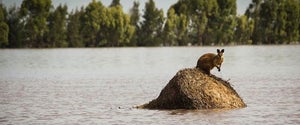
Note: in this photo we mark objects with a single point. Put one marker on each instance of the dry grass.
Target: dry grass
(193, 89)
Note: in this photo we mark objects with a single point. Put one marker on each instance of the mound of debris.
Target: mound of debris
(193, 89)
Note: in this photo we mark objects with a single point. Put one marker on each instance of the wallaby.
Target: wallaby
(210, 60)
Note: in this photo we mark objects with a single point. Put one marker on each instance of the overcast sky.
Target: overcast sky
(127, 4)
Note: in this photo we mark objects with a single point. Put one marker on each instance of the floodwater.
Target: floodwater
(102, 85)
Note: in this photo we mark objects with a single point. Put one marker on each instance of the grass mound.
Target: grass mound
(193, 89)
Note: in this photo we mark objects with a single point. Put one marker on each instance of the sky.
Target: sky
(127, 4)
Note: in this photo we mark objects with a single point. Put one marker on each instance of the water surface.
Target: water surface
(101, 85)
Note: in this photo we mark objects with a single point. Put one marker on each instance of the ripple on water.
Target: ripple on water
(88, 86)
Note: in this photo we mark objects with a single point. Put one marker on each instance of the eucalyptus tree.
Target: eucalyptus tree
(134, 21)
(34, 14)
(4, 29)
(151, 26)
(74, 26)
(56, 35)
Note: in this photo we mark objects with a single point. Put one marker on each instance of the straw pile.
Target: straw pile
(193, 89)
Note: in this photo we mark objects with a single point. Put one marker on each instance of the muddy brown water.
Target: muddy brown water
(101, 85)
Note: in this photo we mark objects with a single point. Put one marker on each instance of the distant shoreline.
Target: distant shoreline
(266, 45)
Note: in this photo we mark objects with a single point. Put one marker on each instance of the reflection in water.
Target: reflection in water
(101, 86)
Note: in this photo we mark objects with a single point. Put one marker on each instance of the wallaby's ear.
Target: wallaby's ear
(222, 51)
(218, 51)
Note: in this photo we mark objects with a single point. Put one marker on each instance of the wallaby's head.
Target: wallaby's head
(219, 58)
(220, 53)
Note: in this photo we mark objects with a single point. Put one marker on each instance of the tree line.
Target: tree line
(37, 24)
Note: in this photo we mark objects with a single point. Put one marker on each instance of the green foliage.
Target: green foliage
(16, 27)
(2, 13)
(170, 28)
(115, 3)
(276, 21)
(56, 35)
(182, 30)
(203, 19)
(94, 18)
(35, 14)
(188, 22)
(134, 21)
(4, 29)
(280, 25)
(119, 31)
(151, 27)
(210, 22)
(267, 17)
(226, 21)
(135, 14)
(74, 37)
(292, 8)
(106, 26)
(244, 30)
(175, 29)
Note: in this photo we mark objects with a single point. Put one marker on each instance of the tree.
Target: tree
(252, 13)
(16, 27)
(151, 27)
(243, 30)
(4, 29)
(34, 14)
(224, 30)
(104, 26)
(56, 36)
(206, 22)
(94, 18)
(209, 22)
(119, 31)
(115, 3)
(135, 14)
(134, 21)
(201, 19)
(275, 21)
(292, 9)
(74, 37)
(170, 28)
(268, 14)
(280, 24)
(182, 30)
(175, 29)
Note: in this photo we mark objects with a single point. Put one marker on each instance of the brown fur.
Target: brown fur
(210, 60)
